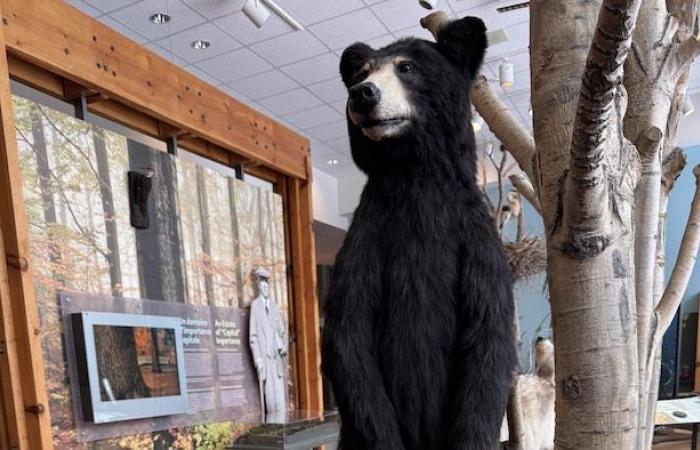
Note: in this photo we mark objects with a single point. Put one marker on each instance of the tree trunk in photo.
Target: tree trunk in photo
(235, 235)
(45, 186)
(595, 167)
(203, 202)
(111, 233)
(119, 369)
(159, 248)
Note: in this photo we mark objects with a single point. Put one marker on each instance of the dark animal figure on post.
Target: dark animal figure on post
(418, 341)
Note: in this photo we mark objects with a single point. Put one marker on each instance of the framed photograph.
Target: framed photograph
(130, 366)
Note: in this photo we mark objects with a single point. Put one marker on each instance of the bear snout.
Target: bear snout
(364, 97)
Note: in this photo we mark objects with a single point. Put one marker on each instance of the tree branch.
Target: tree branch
(671, 300)
(646, 216)
(587, 191)
(500, 120)
(673, 165)
(523, 185)
(516, 140)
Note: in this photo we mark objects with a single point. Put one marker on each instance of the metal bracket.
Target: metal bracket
(80, 107)
(171, 143)
(240, 172)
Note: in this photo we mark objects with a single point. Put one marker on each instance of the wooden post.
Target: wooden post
(24, 391)
(306, 314)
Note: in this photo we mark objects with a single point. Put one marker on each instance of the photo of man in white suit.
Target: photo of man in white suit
(268, 343)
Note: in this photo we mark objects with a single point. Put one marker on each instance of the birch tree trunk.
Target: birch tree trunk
(595, 172)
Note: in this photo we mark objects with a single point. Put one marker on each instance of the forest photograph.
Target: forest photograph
(207, 234)
(153, 371)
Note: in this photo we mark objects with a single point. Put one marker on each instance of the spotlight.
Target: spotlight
(688, 107)
(160, 18)
(489, 148)
(506, 74)
(256, 12)
(477, 121)
(428, 4)
(332, 162)
(201, 44)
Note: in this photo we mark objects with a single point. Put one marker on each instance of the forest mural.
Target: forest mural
(207, 233)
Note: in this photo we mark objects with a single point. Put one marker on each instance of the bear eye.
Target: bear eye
(405, 67)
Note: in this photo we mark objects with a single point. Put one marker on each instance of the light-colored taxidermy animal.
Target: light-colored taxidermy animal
(537, 395)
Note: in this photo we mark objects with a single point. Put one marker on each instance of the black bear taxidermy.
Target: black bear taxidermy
(418, 340)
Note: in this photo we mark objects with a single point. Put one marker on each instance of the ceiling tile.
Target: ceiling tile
(202, 75)
(399, 14)
(137, 17)
(372, 2)
(521, 100)
(234, 65)
(84, 7)
(315, 69)
(290, 102)
(381, 41)
(261, 109)
(165, 54)
(493, 19)
(312, 117)
(330, 90)
(461, 5)
(236, 94)
(240, 27)
(415, 31)
(321, 150)
(181, 43)
(345, 30)
(265, 84)
(110, 5)
(518, 40)
(340, 106)
(312, 11)
(290, 48)
(212, 9)
(329, 131)
(118, 27)
(341, 144)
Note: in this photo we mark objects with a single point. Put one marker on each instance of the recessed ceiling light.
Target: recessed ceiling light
(160, 18)
(332, 162)
(201, 44)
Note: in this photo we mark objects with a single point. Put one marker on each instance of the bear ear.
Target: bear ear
(463, 43)
(354, 57)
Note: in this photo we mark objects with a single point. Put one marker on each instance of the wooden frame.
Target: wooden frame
(57, 49)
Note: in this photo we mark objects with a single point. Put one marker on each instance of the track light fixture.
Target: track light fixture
(506, 74)
(258, 11)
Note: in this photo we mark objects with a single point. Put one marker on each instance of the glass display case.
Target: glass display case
(302, 430)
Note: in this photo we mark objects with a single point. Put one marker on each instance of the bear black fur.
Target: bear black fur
(418, 338)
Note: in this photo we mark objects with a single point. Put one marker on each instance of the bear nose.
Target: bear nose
(364, 96)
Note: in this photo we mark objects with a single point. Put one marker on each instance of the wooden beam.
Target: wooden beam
(25, 359)
(306, 313)
(13, 430)
(66, 42)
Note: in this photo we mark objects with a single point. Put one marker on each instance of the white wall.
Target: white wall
(349, 191)
(325, 197)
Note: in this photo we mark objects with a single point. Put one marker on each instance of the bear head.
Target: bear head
(408, 102)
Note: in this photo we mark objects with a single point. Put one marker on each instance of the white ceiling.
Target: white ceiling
(292, 76)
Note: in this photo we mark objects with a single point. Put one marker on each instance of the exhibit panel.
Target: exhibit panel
(119, 228)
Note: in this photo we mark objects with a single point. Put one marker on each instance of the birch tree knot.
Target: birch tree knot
(571, 387)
